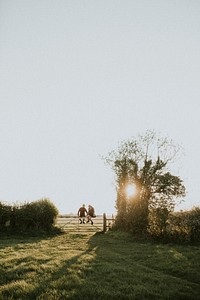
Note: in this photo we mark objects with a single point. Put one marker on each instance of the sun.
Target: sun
(131, 190)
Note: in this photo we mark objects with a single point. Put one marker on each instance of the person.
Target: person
(90, 214)
(82, 212)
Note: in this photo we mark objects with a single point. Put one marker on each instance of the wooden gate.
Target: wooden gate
(71, 223)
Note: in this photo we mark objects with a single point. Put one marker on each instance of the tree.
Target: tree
(144, 162)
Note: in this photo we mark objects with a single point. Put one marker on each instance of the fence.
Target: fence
(71, 223)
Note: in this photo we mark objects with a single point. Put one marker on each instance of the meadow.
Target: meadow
(96, 266)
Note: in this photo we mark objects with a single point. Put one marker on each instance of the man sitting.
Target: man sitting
(82, 213)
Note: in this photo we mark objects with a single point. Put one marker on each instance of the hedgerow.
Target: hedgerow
(5, 215)
(181, 227)
(37, 216)
(184, 226)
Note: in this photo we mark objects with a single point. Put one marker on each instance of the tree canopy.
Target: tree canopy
(145, 162)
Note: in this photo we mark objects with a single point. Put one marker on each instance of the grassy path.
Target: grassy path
(100, 266)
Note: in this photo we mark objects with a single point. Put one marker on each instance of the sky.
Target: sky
(79, 76)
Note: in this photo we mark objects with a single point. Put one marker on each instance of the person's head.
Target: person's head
(83, 205)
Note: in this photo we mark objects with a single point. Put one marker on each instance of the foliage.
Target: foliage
(184, 226)
(158, 218)
(36, 216)
(144, 161)
(5, 215)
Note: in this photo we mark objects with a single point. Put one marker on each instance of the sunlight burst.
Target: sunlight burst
(131, 190)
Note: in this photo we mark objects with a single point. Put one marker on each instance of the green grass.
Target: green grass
(97, 266)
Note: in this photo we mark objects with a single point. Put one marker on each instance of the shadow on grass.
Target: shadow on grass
(62, 283)
(114, 266)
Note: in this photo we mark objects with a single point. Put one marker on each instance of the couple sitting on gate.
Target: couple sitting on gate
(88, 214)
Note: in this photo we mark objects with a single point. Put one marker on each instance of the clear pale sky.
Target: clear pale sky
(77, 77)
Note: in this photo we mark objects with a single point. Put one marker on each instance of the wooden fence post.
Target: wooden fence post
(104, 222)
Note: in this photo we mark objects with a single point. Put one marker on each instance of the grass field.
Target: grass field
(96, 266)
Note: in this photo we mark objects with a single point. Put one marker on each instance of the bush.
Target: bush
(194, 222)
(133, 218)
(137, 221)
(184, 226)
(46, 214)
(158, 218)
(5, 215)
(38, 216)
(166, 226)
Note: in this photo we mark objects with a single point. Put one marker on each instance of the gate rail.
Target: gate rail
(70, 223)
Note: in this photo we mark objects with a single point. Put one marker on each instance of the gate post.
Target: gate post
(104, 222)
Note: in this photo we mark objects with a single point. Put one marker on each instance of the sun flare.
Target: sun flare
(131, 190)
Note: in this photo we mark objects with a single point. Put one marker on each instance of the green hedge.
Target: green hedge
(37, 216)
(5, 216)
(158, 220)
(184, 226)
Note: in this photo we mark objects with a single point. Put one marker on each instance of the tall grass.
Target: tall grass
(97, 266)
